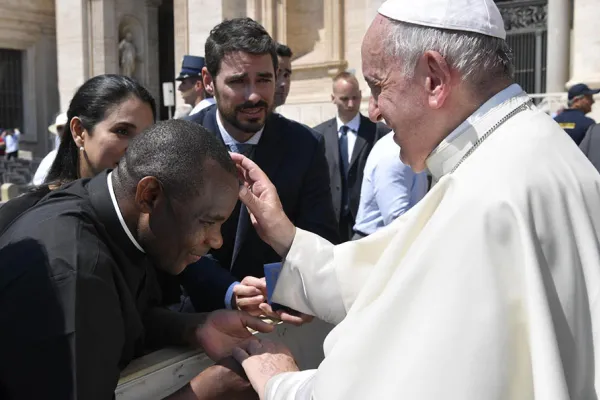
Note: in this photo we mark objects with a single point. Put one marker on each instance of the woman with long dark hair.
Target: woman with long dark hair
(105, 113)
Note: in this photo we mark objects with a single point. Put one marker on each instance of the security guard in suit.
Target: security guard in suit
(573, 119)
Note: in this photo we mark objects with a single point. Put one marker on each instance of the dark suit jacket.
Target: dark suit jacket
(590, 145)
(293, 157)
(368, 133)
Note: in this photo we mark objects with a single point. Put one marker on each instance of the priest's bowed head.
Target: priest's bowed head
(486, 289)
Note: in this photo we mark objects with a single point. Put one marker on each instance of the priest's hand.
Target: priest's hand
(262, 360)
(224, 380)
(225, 329)
(266, 211)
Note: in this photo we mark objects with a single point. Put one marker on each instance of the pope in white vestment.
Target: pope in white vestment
(487, 289)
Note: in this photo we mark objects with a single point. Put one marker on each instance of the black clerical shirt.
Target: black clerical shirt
(77, 298)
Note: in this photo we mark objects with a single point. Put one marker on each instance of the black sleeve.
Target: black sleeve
(206, 282)
(66, 332)
(315, 205)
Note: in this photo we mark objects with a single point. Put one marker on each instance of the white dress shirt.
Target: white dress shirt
(353, 126)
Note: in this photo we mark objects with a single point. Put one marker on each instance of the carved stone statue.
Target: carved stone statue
(127, 55)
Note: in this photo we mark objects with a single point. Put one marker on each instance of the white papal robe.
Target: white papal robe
(487, 289)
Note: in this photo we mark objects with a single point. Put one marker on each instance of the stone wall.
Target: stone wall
(310, 96)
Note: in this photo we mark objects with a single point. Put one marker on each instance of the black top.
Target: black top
(17, 206)
(76, 298)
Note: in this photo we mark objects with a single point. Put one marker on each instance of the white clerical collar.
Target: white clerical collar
(353, 124)
(229, 140)
(119, 215)
(202, 105)
(445, 156)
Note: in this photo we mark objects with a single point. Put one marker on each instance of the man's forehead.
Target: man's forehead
(237, 62)
(285, 62)
(345, 86)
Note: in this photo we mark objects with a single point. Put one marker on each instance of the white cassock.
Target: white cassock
(487, 289)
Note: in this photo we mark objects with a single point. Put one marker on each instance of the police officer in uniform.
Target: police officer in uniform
(573, 119)
(191, 86)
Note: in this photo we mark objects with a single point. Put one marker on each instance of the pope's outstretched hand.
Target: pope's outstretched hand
(273, 226)
(266, 212)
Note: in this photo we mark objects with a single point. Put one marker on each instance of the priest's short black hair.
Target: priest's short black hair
(174, 152)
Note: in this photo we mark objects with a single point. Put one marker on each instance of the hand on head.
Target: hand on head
(266, 211)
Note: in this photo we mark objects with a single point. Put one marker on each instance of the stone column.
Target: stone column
(181, 34)
(586, 46)
(72, 43)
(203, 15)
(559, 38)
(194, 20)
(103, 58)
(152, 71)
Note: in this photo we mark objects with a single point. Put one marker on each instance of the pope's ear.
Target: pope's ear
(438, 78)
(149, 194)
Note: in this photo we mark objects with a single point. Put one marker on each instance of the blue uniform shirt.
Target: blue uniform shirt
(575, 123)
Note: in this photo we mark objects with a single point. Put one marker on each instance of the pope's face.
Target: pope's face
(398, 100)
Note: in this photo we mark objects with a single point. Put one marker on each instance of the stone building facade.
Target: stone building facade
(62, 43)
(28, 69)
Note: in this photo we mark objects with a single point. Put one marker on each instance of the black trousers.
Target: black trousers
(14, 154)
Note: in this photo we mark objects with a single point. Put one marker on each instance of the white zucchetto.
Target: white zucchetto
(481, 16)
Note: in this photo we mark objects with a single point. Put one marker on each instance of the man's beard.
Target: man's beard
(249, 126)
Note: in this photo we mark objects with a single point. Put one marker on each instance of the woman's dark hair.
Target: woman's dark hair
(91, 103)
